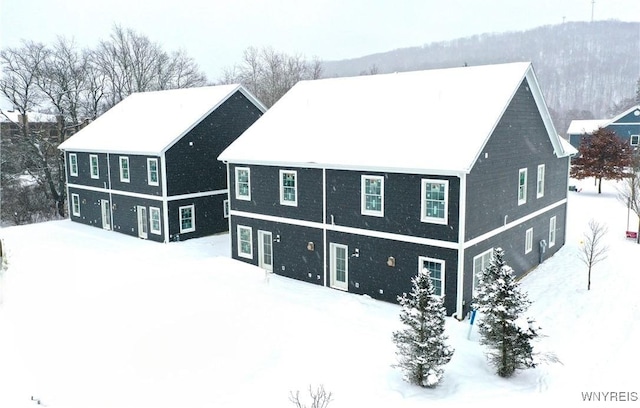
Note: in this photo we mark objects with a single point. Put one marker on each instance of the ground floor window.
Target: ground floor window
(75, 204)
(245, 242)
(436, 270)
(480, 263)
(156, 226)
(552, 231)
(187, 218)
(528, 241)
(225, 208)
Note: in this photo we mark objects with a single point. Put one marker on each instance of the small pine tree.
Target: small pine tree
(501, 304)
(421, 344)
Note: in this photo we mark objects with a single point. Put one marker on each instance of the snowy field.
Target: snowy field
(90, 318)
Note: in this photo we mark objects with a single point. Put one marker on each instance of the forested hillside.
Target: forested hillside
(586, 70)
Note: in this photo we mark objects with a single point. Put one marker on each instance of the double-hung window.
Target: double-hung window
(522, 186)
(225, 208)
(436, 272)
(552, 231)
(634, 140)
(480, 263)
(372, 195)
(243, 183)
(434, 202)
(152, 172)
(75, 204)
(288, 187)
(124, 169)
(95, 170)
(187, 218)
(73, 164)
(245, 242)
(528, 241)
(540, 182)
(156, 225)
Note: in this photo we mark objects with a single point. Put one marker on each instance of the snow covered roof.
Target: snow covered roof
(580, 127)
(422, 121)
(34, 117)
(151, 122)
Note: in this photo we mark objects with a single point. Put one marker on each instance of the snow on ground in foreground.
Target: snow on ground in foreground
(91, 318)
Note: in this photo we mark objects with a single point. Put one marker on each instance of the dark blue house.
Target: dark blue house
(626, 126)
(358, 183)
(148, 167)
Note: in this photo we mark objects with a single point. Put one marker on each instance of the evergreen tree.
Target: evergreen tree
(501, 304)
(421, 344)
(603, 155)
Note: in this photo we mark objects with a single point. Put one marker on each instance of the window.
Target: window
(634, 140)
(156, 225)
(73, 164)
(225, 208)
(124, 169)
(436, 271)
(95, 170)
(528, 241)
(552, 231)
(75, 204)
(540, 183)
(372, 192)
(522, 186)
(434, 205)
(245, 242)
(480, 263)
(187, 218)
(152, 172)
(288, 187)
(243, 183)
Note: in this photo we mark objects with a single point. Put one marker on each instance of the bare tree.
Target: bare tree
(320, 398)
(593, 248)
(629, 194)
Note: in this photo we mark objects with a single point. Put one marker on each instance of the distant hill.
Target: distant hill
(586, 70)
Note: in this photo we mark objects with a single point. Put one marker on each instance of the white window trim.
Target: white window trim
(97, 175)
(193, 218)
(363, 197)
(540, 181)
(73, 164)
(552, 231)
(239, 242)
(528, 241)
(122, 159)
(637, 137)
(238, 195)
(74, 198)
(421, 260)
(434, 220)
(151, 183)
(477, 258)
(225, 208)
(524, 187)
(293, 203)
(153, 230)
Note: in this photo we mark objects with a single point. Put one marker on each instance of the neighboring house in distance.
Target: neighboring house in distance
(626, 126)
(148, 167)
(357, 183)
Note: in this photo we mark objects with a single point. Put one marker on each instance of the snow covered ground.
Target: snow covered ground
(89, 318)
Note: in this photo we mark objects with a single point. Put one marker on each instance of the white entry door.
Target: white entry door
(265, 250)
(339, 266)
(106, 214)
(142, 222)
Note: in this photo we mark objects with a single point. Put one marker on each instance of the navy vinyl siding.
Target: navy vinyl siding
(84, 170)
(90, 210)
(192, 164)
(402, 204)
(265, 193)
(138, 175)
(125, 215)
(209, 217)
(520, 140)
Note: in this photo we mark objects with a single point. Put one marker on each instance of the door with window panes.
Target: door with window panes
(339, 266)
(265, 250)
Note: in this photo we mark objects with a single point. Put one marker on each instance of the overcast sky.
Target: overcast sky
(215, 32)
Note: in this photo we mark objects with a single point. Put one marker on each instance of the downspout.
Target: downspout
(324, 225)
(165, 203)
(228, 198)
(462, 216)
(109, 190)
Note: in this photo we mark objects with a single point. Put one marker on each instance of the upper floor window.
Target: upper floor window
(152, 172)
(156, 224)
(288, 187)
(93, 162)
(434, 206)
(124, 169)
(436, 273)
(372, 195)
(634, 140)
(552, 231)
(187, 218)
(73, 164)
(75, 204)
(243, 183)
(540, 182)
(528, 241)
(522, 186)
